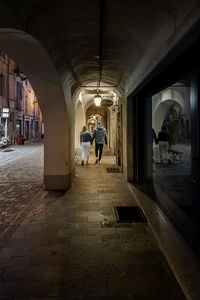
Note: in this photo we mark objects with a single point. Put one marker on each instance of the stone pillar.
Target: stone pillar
(56, 137)
(138, 138)
(130, 124)
(41, 72)
(79, 123)
(148, 145)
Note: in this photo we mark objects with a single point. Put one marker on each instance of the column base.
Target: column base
(57, 182)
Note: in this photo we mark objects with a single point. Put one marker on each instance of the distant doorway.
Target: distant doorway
(27, 130)
(18, 127)
(92, 122)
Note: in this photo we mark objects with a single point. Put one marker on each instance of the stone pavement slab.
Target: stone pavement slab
(70, 246)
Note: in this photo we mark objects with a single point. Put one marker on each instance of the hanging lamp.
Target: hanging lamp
(97, 100)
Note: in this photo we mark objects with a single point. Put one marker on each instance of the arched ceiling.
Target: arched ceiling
(112, 41)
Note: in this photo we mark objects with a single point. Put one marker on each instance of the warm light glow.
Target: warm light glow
(80, 97)
(32, 96)
(97, 100)
(115, 98)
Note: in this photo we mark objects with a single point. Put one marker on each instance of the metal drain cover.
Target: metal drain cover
(131, 214)
(113, 170)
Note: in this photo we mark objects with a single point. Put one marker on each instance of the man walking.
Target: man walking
(100, 137)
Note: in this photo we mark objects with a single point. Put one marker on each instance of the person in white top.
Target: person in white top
(85, 141)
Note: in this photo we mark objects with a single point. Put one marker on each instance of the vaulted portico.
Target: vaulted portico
(143, 56)
(105, 42)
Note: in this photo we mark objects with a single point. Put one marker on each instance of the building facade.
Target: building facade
(20, 111)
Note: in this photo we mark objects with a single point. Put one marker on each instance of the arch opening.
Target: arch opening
(22, 122)
(87, 113)
(33, 59)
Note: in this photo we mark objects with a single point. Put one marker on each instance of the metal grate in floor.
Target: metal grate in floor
(113, 170)
(131, 214)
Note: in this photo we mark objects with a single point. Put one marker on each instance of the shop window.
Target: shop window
(172, 169)
(26, 104)
(19, 90)
(1, 84)
(19, 96)
(18, 127)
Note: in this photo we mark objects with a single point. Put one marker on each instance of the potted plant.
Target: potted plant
(20, 139)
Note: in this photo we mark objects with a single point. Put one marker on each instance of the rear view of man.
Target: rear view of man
(100, 137)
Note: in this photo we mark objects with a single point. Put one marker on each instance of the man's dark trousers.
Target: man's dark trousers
(98, 147)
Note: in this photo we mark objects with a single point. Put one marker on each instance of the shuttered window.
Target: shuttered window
(1, 85)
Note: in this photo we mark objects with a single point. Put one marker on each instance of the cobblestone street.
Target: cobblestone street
(21, 178)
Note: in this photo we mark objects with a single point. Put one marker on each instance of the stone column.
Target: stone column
(79, 123)
(56, 136)
(130, 150)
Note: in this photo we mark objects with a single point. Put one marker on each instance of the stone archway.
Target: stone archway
(102, 111)
(105, 115)
(161, 104)
(33, 59)
(92, 121)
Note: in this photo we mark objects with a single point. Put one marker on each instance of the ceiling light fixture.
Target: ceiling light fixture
(97, 100)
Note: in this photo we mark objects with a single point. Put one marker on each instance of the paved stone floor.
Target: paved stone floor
(21, 176)
(70, 246)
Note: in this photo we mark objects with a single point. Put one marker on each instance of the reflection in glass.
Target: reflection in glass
(171, 121)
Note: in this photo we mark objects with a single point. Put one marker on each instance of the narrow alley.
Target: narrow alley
(70, 246)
